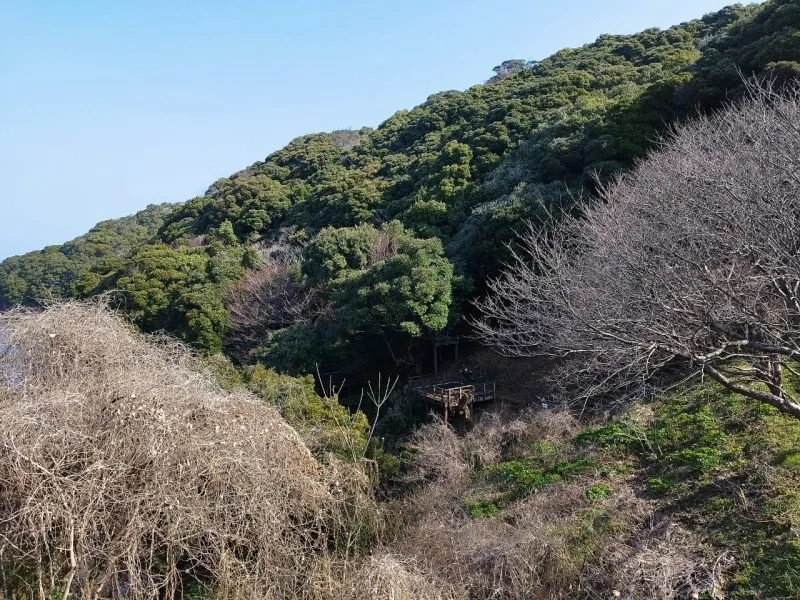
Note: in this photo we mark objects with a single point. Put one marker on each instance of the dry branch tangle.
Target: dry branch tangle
(125, 473)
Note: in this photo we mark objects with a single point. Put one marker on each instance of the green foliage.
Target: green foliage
(756, 39)
(166, 289)
(402, 223)
(294, 349)
(343, 198)
(725, 467)
(406, 288)
(660, 485)
(617, 434)
(520, 478)
(701, 438)
(395, 227)
(58, 272)
(599, 491)
(380, 286)
(223, 234)
(326, 425)
(721, 466)
(227, 376)
(175, 289)
(480, 508)
(388, 464)
(701, 459)
(334, 253)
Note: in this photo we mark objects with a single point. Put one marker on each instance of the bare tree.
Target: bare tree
(269, 298)
(694, 256)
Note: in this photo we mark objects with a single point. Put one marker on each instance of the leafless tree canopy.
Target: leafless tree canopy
(692, 256)
(269, 298)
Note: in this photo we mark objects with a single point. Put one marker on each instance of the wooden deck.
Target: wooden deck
(455, 397)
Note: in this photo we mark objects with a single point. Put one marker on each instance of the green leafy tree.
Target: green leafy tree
(177, 290)
(405, 288)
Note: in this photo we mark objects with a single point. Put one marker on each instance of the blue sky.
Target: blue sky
(108, 106)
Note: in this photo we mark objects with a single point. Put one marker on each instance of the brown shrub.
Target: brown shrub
(125, 473)
(380, 577)
(439, 454)
(539, 548)
(664, 562)
(384, 247)
(496, 437)
(267, 299)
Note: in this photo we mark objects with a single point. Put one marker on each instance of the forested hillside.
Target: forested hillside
(644, 438)
(347, 248)
(57, 271)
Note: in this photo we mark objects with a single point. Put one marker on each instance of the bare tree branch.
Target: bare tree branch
(694, 256)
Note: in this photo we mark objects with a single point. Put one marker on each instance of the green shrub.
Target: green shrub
(659, 485)
(702, 459)
(326, 425)
(480, 508)
(522, 477)
(598, 491)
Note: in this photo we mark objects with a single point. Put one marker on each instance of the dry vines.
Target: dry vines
(124, 473)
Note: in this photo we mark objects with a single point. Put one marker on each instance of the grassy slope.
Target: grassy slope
(719, 467)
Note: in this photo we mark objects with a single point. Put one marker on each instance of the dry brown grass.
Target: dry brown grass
(382, 576)
(556, 543)
(439, 454)
(125, 473)
(497, 436)
(665, 562)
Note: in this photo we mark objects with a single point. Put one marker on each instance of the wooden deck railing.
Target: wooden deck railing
(457, 397)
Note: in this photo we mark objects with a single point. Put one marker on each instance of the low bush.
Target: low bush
(126, 473)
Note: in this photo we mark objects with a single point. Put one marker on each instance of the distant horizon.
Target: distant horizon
(109, 109)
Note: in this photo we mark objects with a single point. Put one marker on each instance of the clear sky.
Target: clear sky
(108, 106)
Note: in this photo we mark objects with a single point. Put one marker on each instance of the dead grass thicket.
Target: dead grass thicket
(125, 473)
(556, 543)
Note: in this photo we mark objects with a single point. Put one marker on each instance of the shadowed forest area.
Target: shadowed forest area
(215, 398)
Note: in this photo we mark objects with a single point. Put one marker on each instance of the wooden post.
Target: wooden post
(446, 410)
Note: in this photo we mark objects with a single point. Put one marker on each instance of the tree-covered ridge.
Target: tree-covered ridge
(345, 247)
(63, 271)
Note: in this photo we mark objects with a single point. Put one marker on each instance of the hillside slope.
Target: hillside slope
(349, 248)
(692, 494)
(56, 272)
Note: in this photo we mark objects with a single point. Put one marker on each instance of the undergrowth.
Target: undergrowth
(696, 489)
(727, 468)
(694, 494)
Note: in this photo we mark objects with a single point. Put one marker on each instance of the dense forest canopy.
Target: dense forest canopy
(356, 245)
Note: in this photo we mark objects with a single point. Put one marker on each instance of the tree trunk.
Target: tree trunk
(783, 404)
